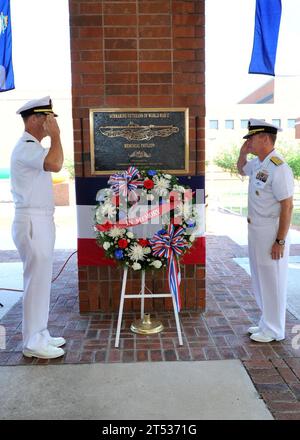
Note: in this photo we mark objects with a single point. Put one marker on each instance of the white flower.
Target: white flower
(184, 210)
(192, 238)
(99, 215)
(136, 252)
(103, 194)
(130, 234)
(106, 245)
(195, 213)
(179, 188)
(161, 186)
(147, 250)
(156, 263)
(136, 266)
(167, 176)
(109, 210)
(116, 232)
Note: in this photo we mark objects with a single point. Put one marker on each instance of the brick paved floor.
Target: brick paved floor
(219, 333)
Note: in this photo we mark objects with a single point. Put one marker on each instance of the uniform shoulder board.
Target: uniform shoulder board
(276, 160)
(29, 140)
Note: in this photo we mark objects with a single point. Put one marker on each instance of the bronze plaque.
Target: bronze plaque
(144, 137)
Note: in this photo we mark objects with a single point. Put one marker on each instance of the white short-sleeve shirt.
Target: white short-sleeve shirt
(270, 182)
(31, 185)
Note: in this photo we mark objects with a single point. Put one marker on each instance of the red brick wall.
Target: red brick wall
(100, 289)
(137, 53)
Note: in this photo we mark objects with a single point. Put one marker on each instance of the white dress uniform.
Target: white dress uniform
(33, 231)
(270, 182)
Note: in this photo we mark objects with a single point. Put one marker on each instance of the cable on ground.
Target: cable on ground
(53, 280)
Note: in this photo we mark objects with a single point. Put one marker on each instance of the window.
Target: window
(214, 124)
(291, 123)
(244, 123)
(276, 122)
(229, 123)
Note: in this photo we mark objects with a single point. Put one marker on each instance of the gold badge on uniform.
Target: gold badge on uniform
(276, 160)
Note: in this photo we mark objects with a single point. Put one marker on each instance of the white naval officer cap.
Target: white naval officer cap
(256, 126)
(42, 106)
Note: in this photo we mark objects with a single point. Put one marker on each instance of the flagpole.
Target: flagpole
(143, 294)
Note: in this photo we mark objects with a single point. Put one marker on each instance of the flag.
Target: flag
(266, 31)
(6, 66)
(276, 38)
(90, 254)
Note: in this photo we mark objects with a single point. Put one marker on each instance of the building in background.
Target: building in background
(276, 101)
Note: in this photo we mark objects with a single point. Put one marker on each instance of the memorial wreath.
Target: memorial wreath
(142, 197)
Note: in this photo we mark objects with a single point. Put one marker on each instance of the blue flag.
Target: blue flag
(6, 67)
(266, 31)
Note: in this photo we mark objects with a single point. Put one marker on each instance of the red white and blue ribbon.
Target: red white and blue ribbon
(126, 183)
(171, 245)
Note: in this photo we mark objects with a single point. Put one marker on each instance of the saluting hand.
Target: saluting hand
(245, 149)
(51, 126)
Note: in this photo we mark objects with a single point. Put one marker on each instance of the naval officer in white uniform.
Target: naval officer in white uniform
(33, 228)
(270, 205)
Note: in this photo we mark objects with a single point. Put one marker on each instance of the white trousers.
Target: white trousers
(33, 232)
(269, 277)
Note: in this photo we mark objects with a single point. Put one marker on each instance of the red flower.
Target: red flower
(143, 242)
(148, 184)
(122, 243)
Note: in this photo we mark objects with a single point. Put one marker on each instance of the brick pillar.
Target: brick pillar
(137, 53)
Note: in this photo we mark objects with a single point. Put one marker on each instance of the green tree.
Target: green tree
(227, 159)
(294, 163)
(290, 150)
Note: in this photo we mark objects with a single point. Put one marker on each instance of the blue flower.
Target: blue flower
(152, 173)
(191, 224)
(161, 232)
(119, 254)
